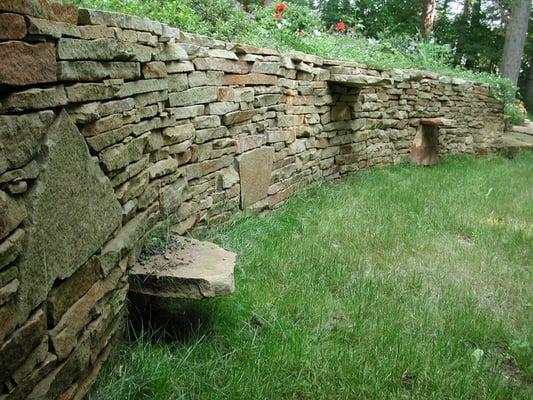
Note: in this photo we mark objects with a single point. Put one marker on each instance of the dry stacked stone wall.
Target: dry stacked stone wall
(111, 123)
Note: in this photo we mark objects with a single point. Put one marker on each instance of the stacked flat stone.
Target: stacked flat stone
(111, 123)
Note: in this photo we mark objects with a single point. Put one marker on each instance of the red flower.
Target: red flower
(341, 26)
(281, 7)
(278, 16)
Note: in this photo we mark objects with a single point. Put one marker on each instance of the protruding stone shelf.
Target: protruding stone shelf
(188, 269)
(358, 80)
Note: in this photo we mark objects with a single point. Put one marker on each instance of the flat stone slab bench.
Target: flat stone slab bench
(358, 80)
(188, 269)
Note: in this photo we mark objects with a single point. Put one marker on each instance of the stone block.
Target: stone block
(249, 142)
(269, 68)
(221, 64)
(250, 79)
(12, 213)
(171, 196)
(88, 71)
(64, 335)
(74, 211)
(27, 64)
(80, 92)
(10, 248)
(42, 9)
(359, 80)
(97, 17)
(266, 100)
(206, 121)
(20, 344)
(143, 86)
(204, 135)
(221, 53)
(121, 155)
(198, 95)
(154, 69)
(174, 67)
(116, 106)
(8, 291)
(235, 94)
(255, 171)
(37, 356)
(34, 99)
(103, 49)
(178, 133)
(171, 52)
(206, 167)
(44, 27)
(12, 26)
(202, 78)
(221, 107)
(64, 295)
(162, 168)
(237, 117)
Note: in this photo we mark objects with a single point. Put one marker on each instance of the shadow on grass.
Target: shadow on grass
(168, 320)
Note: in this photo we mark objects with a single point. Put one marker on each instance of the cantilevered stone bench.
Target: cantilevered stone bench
(358, 80)
(188, 269)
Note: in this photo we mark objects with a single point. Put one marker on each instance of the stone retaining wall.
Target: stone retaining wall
(111, 123)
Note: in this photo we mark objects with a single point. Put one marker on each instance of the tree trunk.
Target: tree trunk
(515, 37)
(429, 12)
(529, 87)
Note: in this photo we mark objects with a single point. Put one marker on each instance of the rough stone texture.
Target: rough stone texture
(102, 49)
(199, 95)
(189, 269)
(255, 170)
(184, 127)
(39, 26)
(12, 213)
(95, 71)
(34, 99)
(74, 212)
(42, 9)
(64, 335)
(19, 345)
(25, 64)
(358, 80)
(250, 79)
(11, 246)
(69, 291)
(96, 17)
(12, 26)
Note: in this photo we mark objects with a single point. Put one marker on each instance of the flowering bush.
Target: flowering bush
(341, 26)
(288, 17)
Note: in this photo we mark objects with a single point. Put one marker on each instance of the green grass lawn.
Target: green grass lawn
(398, 283)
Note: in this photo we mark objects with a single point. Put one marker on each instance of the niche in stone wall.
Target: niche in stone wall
(425, 148)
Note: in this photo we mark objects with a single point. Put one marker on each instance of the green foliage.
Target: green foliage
(221, 19)
(400, 283)
(515, 112)
(296, 19)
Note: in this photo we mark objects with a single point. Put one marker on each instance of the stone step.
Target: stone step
(188, 269)
(526, 129)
